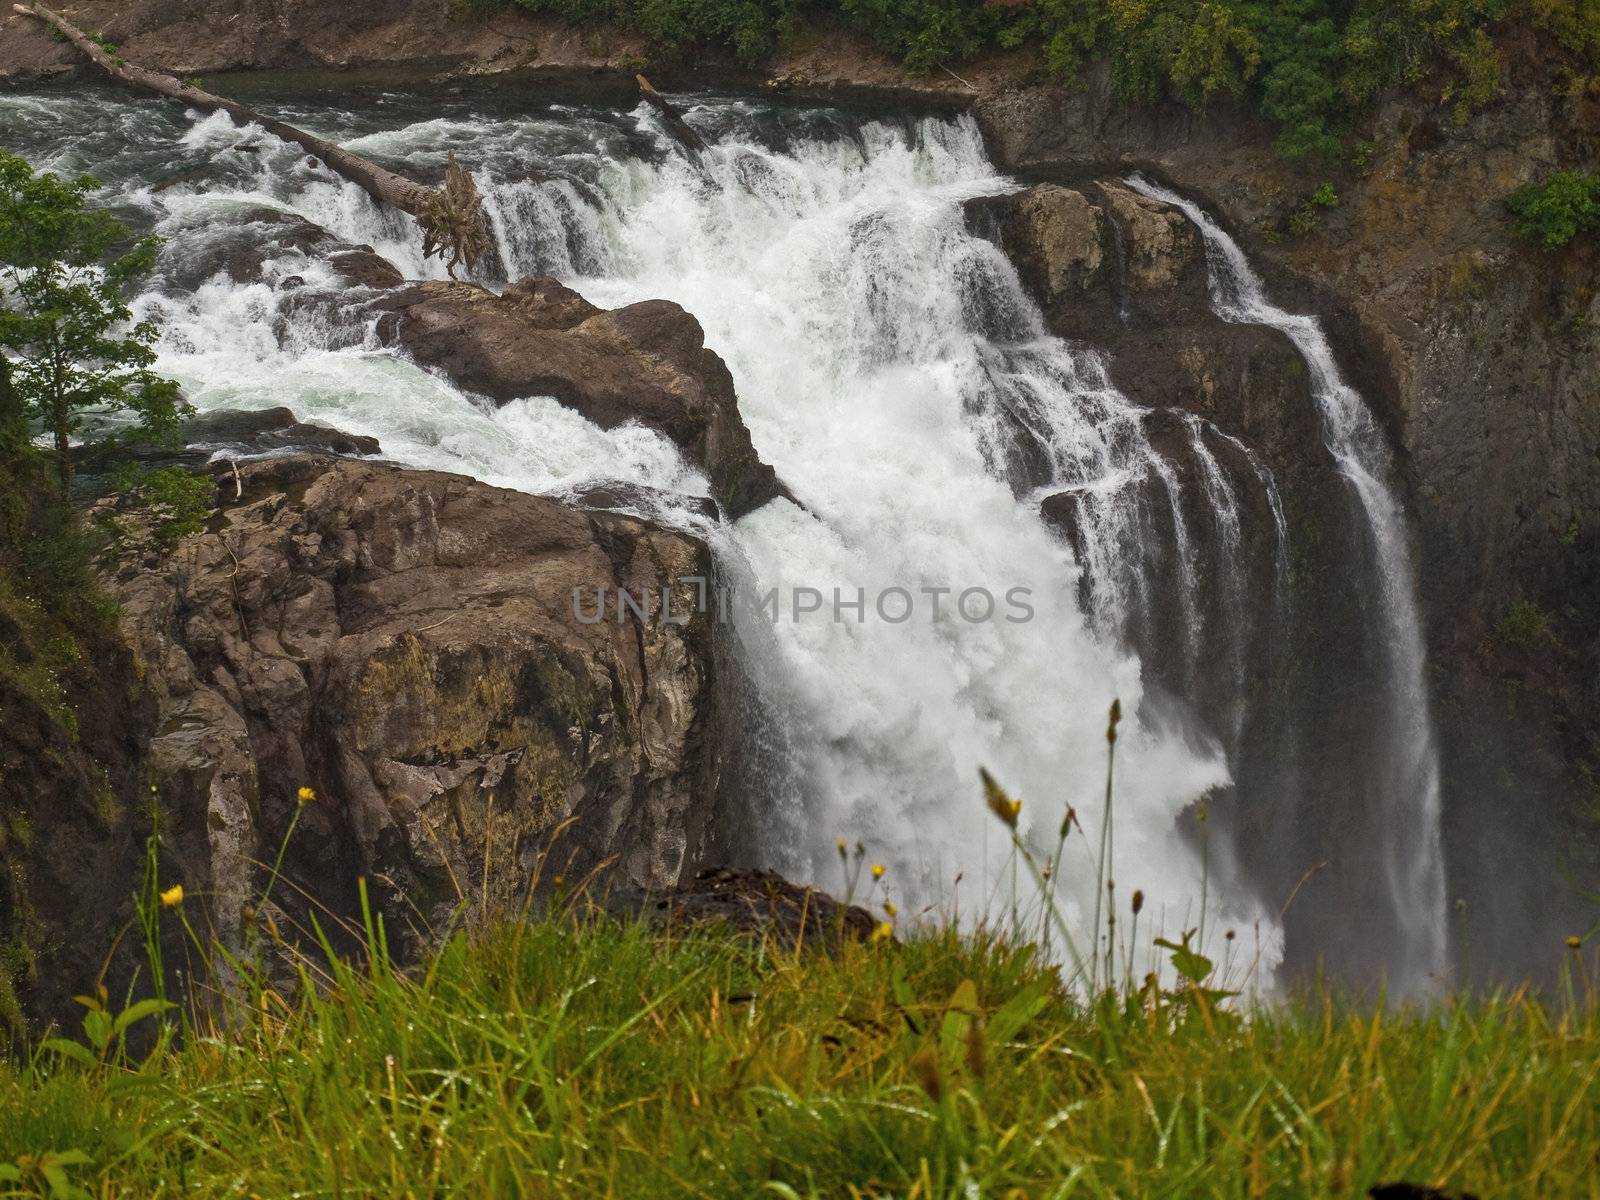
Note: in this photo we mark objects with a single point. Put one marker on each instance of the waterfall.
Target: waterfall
(889, 365)
(1411, 845)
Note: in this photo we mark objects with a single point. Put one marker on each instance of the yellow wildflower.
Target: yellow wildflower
(882, 933)
(888, 907)
(1574, 942)
(173, 896)
(307, 795)
(877, 870)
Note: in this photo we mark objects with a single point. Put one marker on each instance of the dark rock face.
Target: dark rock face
(1266, 642)
(407, 644)
(74, 815)
(647, 362)
(755, 902)
(1480, 356)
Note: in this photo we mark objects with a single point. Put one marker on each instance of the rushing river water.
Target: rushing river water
(886, 359)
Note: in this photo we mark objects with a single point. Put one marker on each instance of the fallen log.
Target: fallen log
(676, 125)
(451, 217)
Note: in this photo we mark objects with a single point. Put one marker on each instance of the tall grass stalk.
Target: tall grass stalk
(1104, 861)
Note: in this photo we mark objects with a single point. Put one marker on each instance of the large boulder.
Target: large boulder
(422, 650)
(1100, 258)
(647, 362)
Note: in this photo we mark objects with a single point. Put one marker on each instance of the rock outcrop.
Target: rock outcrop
(240, 243)
(759, 903)
(426, 653)
(647, 362)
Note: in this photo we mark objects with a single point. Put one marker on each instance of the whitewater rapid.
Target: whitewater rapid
(882, 355)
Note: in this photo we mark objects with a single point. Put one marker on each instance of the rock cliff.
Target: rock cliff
(1482, 357)
(442, 662)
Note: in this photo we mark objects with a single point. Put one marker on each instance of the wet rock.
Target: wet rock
(235, 434)
(1100, 258)
(265, 430)
(407, 643)
(1162, 248)
(1054, 236)
(241, 241)
(364, 267)
(549, 304)
(756, 902)
(647, 362)
(621, 495)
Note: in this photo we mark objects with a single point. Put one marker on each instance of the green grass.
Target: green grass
(565, 1057)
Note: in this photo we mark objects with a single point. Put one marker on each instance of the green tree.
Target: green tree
(64, 322)
(1556, 210)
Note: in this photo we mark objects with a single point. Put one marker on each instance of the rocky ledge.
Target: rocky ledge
(647, 362)
(406, 644)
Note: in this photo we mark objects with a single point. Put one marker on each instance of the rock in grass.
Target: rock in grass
(758, 902)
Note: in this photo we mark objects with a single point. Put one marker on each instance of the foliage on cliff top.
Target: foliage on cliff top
(1312, 66)
(572, 1057)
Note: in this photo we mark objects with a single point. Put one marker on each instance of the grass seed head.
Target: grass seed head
(999, 802)
(925, 1065)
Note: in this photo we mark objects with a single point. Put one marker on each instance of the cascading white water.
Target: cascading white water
(1412, 845)
(885, 360)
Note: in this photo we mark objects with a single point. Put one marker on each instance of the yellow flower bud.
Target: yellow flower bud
(882, 933)
(877, 870)
(307, 795)
(173, 896)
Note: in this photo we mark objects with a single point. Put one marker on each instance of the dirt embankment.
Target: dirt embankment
(442, 40)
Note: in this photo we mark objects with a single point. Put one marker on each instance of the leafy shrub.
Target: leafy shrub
(750, 28)
(177, 500)
(1524, 623)
(1557, 210)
